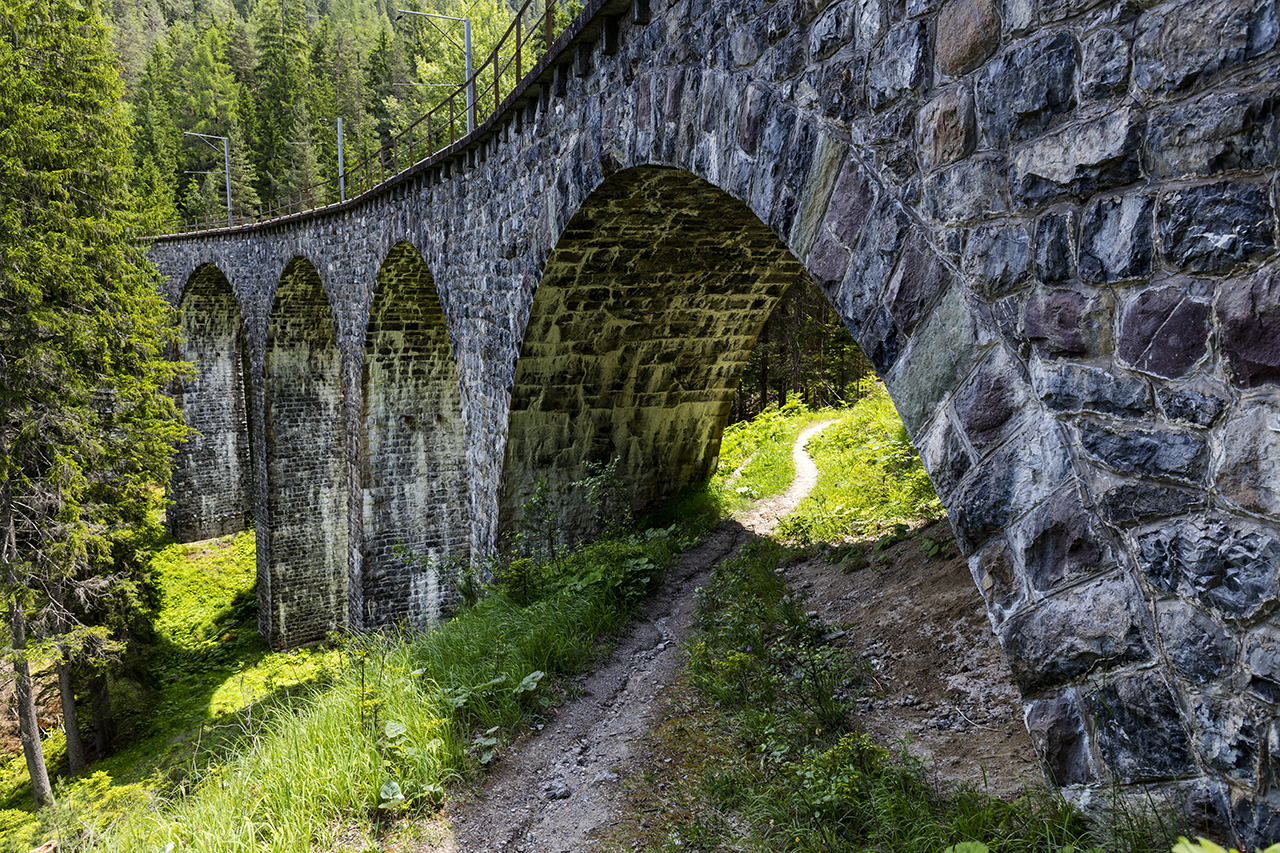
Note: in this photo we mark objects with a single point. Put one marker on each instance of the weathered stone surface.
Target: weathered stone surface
(1115, 243)
(1138, 728)
(1124, 505)
(997, 259)
(968, 32)
(1219, 132)
(993, 570)
(1248, 315)
(991, 404)
(1066, 637)
(1079, 159)
(1058, 733)
(1104, 64)
(900, 66)
(1225, 562)
(1230, 737)
(1262, 657)
(1066, 323)
(1199, 647)
(1164, 331)
(946, 128)
(916, 284)
(831, 32)
(1199, 406)
(1060, 543)
(1021, 91)
(1180, 46)
(1214, 226)
(1055, 258)
(1248, 466)
(944, 349)
(1162, 453)
(948, 457)
(1080, 388)
(971, 189)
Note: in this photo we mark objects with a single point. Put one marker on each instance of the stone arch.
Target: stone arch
(212, 484)
(306, 525)
(413, 458)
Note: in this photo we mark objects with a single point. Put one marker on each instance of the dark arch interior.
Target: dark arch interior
(212, 479)
(638, 334)
(307, 492)
(413, 456)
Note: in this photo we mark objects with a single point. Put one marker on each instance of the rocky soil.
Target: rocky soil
(941, 679)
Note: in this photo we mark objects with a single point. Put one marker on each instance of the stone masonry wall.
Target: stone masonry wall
(212, 486)
(1050, 223)
(413, 476)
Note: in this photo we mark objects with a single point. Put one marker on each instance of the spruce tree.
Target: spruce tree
(85, 429)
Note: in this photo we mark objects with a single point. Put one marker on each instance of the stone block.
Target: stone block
(946, 129)
(968, 31)
(945, 456)
(815, 195)
(1056, 246)
(972, 189)
(916, 284)
(851, 201)
(1116, 239)
(1021, 91)
(1164, 331)
(1248, 463)
(991, 404)
(1061, 542)
(1249, 315)
(751, 118)
(1075, 388)
(1062, 323)
(1214, 226)
(1262, 657)
(1177, 47)
(831, 32)
(997, 259)
(1198, 647)
(1216, 133)
(1156, 453)
(899, 65)
(944, 348)
(869, 22)
(881, 341)
(995, 574)
(1223, 561)
(1138, 729)
(1058, 734)
(1200, 404)
(1080, 159)
(1066, 637)
(1104, 64)
(1129, 503)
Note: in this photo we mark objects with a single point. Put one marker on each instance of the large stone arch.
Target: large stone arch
(306, 527)
(413, 459)
(211, 489)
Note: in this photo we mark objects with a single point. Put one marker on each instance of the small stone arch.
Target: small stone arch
(306, 528)
(211, 489)
(412, 450)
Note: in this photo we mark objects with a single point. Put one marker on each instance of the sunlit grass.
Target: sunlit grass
(755, 455)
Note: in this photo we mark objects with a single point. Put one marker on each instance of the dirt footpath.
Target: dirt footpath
(941, 679)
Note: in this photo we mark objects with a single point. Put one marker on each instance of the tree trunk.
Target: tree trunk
(101, 691)
(70, 719)
(23, 698)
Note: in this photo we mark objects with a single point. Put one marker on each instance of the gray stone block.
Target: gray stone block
(1225, 562)
(1138, 728)
(1116, 239)
(1212, 227)
(1020, 91)
(1155, 453)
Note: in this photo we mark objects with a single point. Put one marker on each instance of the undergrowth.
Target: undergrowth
(771, 757)
(869, 476)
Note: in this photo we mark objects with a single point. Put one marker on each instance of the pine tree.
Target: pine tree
(85, 430)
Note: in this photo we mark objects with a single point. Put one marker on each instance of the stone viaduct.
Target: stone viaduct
(1050, 223)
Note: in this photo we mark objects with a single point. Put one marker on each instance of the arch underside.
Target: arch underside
(306, 469)
(211, 487)
(413, 455)
(638, 334)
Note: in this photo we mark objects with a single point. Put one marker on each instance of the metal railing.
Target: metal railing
(441, 127)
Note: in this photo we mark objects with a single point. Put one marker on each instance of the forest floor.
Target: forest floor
(574, 782)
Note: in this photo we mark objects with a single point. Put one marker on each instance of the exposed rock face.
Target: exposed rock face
(1051, 225)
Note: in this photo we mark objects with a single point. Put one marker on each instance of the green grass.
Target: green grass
(869, 476)
(768, 757)
(761, 448)
(394, 720)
